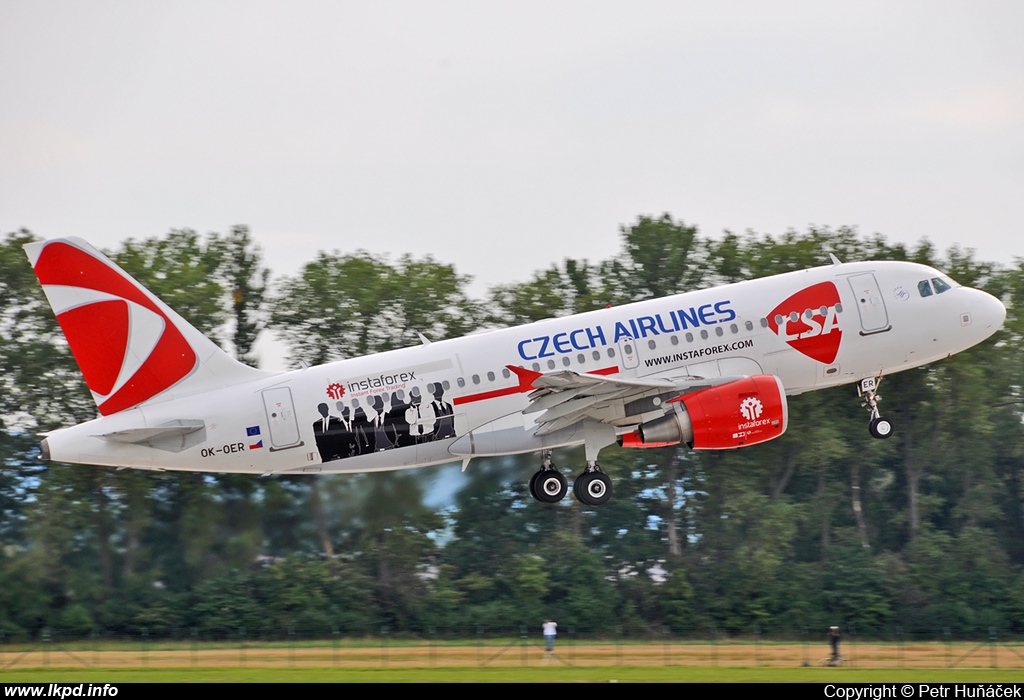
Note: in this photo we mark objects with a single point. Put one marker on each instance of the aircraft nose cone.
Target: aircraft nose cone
(987, 311)
(994, 313)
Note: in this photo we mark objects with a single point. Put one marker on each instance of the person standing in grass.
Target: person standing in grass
(833, 638)
(550, 630)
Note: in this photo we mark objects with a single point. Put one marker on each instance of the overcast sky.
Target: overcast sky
(502, 136)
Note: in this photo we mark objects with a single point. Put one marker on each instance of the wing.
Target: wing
(564, 398)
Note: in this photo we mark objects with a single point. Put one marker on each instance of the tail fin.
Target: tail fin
(130, 346)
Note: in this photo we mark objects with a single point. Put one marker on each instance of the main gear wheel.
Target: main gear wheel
(592, 488)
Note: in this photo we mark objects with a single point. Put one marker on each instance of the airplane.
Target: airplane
(711, 369)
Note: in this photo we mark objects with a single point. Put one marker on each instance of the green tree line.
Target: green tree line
(923, 532)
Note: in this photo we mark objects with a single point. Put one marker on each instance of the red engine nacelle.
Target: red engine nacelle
(744, 412)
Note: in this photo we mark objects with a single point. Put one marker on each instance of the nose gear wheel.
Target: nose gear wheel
(879, 427)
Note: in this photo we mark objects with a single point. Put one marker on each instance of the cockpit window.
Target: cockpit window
(940, 286)
(924, 287)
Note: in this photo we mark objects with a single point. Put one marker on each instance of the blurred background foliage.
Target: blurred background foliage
(923, 532)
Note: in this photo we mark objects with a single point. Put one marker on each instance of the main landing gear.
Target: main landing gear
(548, 485)
(592, 487)
(879, 427)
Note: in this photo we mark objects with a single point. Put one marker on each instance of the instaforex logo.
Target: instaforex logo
(751, 408)
(360, 387)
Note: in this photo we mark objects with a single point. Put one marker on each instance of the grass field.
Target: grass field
(588, 674)
(509, 661)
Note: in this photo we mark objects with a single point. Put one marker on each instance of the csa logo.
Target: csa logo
(127, 348)
(751, 408)
(815, 334)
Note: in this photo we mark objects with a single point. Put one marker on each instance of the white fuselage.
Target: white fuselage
(813, 329)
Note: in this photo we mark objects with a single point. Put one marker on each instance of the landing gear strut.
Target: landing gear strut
(592, 487)
(548, 485)
(879, 427)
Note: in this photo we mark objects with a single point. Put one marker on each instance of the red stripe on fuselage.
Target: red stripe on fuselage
(522, 388)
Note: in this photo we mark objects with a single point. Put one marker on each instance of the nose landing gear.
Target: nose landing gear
(879, 427)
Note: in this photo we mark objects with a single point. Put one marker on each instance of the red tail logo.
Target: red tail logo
(127, 348)
(807, 321)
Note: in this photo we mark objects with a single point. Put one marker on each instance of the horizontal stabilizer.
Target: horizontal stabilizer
(173, 436)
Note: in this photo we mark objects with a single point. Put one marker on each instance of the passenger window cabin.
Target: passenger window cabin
(924, 287)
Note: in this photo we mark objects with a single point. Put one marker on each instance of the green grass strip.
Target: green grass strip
(590, 674)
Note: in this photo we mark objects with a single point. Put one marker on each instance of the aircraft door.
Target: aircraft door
(284, 428)
(629, 352)
(873, 316)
